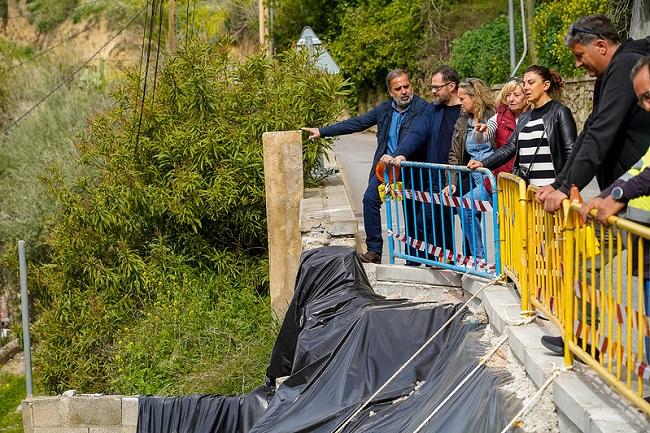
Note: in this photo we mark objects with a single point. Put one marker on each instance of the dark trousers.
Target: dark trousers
(372, 216)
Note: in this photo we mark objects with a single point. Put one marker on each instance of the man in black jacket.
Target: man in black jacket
(615, 134)
(394, 118)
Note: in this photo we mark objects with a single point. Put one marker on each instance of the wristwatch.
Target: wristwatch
(617, 194)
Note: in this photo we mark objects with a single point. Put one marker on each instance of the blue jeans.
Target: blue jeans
(471, 220)
(372, 215)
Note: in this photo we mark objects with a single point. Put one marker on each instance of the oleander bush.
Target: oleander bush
(156, 278)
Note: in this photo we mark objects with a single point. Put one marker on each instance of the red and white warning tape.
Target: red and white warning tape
(583, 331)
(441, 254)
(581, 289)
(453, 201)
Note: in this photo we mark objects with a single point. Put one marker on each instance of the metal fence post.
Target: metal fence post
(24, 302)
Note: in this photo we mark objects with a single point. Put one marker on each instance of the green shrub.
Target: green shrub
(160, 247)
(485, 52)
(552, 19)
(47, 14)
(12, 392)
(375, 37)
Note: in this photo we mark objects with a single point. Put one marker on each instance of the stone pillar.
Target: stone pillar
(284, 189)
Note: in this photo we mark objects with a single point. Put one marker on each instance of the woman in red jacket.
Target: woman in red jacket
(510, 103)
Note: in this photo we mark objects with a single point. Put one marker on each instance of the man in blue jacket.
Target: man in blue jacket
(394, 118)
(430, 140)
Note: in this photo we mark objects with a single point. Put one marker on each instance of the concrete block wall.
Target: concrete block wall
(82, 413)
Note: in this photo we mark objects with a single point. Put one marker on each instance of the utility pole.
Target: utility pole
(171, 35)
(264, 31)
(511, 28)
(530, 18)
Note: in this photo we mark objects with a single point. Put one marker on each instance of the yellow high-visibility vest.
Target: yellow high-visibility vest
(638, 209)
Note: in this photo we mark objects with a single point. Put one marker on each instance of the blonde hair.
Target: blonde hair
(478, 90)
(510, 86)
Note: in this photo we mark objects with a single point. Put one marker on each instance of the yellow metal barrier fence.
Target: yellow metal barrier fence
(591, 281)
(512, 228)
(606, 280)
(545, 250)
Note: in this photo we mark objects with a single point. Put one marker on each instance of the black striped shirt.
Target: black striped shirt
(542, 171)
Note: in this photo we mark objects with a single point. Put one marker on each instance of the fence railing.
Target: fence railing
(607, 299)
(422, 203)
(591, 281)
(513, 232)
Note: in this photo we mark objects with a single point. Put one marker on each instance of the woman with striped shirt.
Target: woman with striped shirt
(544, 136)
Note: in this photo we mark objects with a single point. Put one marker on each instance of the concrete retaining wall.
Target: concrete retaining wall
(83, 413)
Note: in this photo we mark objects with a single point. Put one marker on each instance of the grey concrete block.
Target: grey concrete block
(565, 424)
(435, 277)
(502, 307)
(28, 418)
(96, 410)
(594, 407)
(130, 411)
(46, 412)
(524, 338)
(539, 364)
(61, 429)
(114, 429)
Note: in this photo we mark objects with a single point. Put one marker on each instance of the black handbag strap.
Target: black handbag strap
(539, 144)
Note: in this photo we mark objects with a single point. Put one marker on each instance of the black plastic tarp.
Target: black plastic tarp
(339, 342)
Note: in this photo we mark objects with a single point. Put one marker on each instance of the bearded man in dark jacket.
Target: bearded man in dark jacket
(394, 118)
(616, 132)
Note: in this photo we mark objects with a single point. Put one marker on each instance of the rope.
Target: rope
(482, 362)
(526, 317)
(71, 76)
(365, 404)
(555, 373)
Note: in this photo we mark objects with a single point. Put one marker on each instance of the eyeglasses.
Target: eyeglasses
(644, 98)
(574, 30)
(518, 80)
(437, 88)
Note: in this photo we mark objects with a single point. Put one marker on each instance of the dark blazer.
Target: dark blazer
(422, 143)
(560, 131)
(381, 116)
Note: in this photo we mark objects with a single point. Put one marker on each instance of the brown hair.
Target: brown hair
(478, 90)
(555, 89)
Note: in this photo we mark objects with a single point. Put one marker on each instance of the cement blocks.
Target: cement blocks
(420, 275)
(83, 413)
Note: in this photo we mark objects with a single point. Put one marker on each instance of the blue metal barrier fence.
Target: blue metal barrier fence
(422, 202)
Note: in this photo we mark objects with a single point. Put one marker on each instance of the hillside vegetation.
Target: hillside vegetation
(147, 239)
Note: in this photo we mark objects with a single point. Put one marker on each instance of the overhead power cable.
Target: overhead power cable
(146, 72)
(155, 74)
(187, 22)
(73, 74)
